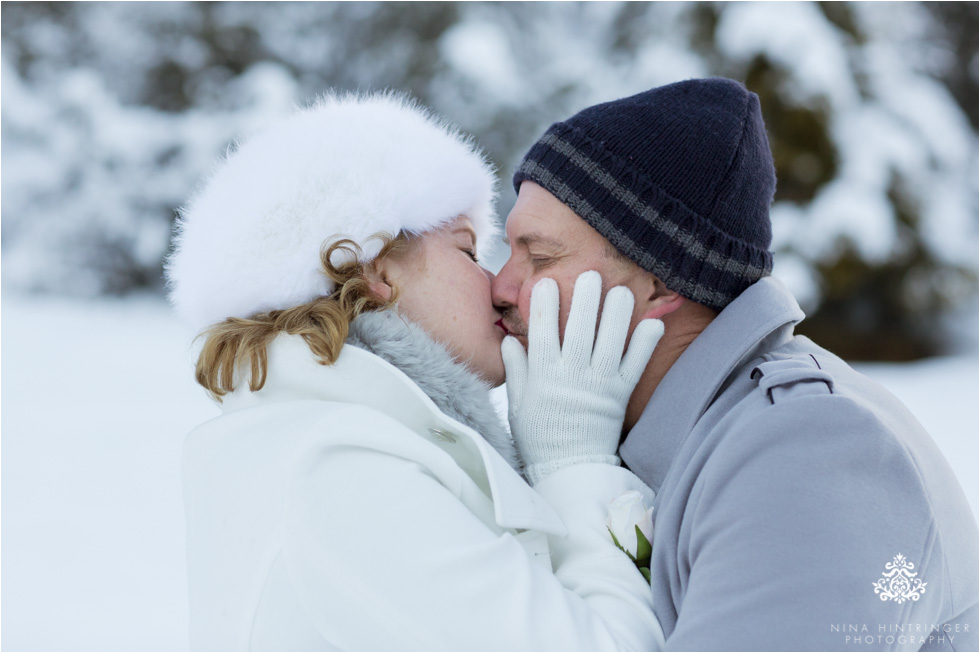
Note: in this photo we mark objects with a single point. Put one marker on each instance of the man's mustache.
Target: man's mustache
(514, 323)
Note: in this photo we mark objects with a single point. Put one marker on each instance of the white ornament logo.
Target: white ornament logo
(899, 582)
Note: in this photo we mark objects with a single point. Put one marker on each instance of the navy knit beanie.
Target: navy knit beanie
(678, 178)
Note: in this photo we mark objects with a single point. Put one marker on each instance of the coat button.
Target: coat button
(445, 436)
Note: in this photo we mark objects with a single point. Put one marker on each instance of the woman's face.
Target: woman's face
(444, 290)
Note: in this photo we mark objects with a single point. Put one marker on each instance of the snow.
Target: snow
(99, 395)
(795, 34)
(481, 51)
(94, 173)
(92, 183)
(91, 501)
(793, 271)
(890, 121)
(96, 402)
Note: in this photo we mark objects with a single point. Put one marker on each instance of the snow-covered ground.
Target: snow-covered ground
(96, 401)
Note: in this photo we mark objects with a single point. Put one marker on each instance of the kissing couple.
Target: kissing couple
(681, 471)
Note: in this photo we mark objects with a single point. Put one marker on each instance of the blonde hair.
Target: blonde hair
(323, 323)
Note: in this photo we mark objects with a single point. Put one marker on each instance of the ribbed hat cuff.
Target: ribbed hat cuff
(657, 231)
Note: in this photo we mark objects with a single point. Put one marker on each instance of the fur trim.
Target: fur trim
(455, 389)
(349, 166)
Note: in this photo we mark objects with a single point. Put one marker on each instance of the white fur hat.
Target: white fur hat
(349, 166)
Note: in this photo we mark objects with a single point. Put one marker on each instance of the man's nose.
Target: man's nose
(503, 287)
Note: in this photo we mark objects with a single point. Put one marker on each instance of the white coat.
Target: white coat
(339, 508)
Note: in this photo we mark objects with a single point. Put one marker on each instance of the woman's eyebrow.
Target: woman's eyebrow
(466, 230)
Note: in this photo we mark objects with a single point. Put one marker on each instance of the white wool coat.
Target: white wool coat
(339, 508)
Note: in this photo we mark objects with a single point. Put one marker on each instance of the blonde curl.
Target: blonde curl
(242, 343)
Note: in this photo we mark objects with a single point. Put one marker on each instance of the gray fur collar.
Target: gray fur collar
(453, 387)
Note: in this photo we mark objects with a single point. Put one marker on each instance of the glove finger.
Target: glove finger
(646, 335)
(515, 364)
(542, 335)
(576, 346)
(617, 312)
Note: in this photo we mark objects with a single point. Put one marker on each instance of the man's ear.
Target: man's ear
(660, 301)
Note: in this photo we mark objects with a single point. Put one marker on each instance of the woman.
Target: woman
(368, 496)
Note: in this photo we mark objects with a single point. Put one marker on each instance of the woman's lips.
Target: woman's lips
(500, 323)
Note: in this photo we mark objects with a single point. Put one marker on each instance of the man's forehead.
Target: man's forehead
(530, 226)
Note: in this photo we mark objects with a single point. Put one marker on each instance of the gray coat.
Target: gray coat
(799, 505)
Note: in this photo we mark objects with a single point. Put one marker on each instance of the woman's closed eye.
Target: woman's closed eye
(471, 253)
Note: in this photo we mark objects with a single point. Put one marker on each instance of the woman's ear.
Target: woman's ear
(658, 300)
(377, 281)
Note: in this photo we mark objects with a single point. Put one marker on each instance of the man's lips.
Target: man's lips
(508, 330)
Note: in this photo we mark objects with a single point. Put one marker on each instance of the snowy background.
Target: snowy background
(112, 111)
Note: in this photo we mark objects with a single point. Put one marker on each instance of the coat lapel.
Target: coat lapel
(361, 378)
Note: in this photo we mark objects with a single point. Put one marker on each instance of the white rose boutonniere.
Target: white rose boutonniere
(630, 524)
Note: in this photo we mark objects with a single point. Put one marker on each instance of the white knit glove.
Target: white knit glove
(566, 403)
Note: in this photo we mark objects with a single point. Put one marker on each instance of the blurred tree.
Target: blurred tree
(955, 38)
(112, 111)
(868, 307)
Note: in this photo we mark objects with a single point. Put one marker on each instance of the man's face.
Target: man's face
(547, 239)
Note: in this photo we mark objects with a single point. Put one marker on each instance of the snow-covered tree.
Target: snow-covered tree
(112, 111)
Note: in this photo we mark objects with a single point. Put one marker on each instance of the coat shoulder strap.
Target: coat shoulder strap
(786, 378)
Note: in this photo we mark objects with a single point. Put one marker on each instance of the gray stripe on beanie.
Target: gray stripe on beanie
(685, 239)
(621, 241)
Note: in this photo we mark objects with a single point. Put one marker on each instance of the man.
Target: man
(799, 505)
